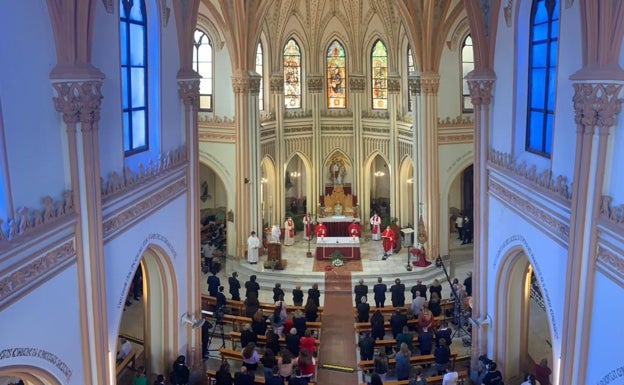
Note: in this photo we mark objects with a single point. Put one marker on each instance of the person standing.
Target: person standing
(397, 321)
(180, 373)
(468, 284)
(234, 286)
(375, 223)
(213, 284)
(402, 359)
(297, 296)
(459, 224)
(124, 350)
(380, 290)
(314, 294)
(543, 372)
(467, 231)
(420, 288)
(363, 309)
(360, 290)
(388, 241)
(253, 244)
(354, 229)
(252, 286)
(451, 377)
(289, 232)
(276, 234)
(367, 346)
(321, 230)
(398, 293)
(307, 226)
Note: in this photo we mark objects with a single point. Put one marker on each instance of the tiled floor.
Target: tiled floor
(300, 271)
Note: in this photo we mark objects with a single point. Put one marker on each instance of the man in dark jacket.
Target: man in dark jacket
(397, 321)
(234, 286)
(363, 309)
(252, 286)
(360, 290)
(398, 293)
(367, 346)
(380, 290)
(420, 288)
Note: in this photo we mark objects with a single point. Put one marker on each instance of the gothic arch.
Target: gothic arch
(160, 301)
(31, 375)
(206, 25)
(407, 211)
(268, 203)
(365, 201)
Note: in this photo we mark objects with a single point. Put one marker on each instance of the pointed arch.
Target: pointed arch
(31, 375)
(369, 180)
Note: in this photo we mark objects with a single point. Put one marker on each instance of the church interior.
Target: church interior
(401, 140)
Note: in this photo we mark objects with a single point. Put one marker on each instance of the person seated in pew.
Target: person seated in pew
(223, 375)
(417, 376)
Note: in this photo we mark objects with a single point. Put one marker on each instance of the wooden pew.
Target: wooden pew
(414, 360)
(237, 307)
(258, 379)
(236, 337)
(128, 361)
(433, 380)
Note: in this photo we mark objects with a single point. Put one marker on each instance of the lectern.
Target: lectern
(274, 257)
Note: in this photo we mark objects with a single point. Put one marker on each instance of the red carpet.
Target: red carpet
(338, 331)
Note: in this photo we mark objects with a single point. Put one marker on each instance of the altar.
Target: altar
(349, 247)
(338, 225)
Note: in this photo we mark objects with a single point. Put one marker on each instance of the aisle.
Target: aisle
(338, 331)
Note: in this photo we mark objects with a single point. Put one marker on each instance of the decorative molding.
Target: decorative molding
(337, 129)
(213, 119)
(457, 122)
(142, 207)
(216, 137)
(276, 84)
(543, 180)
(297, 114)
(455, 138)
(315, 83)
(508, 12)
(610, 213)
(596, 104)
(254, 83)
(116, 182)
(78, 102)
(39, 221)
(415, 85)
(611, 263)
(241, 84)
(21, 280)
(558, 230)
(480, 90)
(165, 12)
(336, 113)
(374, 130)
(108, 6)
(188, 91)
(407, 118)
(394, 85)
(357, 83)
(375, 114)
(298, 130)
(267, 116)
(459, 33)
(430, 85)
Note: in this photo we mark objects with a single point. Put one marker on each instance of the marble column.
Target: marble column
(394, 89)
(417, 150)
(357, 85)
(317, 188)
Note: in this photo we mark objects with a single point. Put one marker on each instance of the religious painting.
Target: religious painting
(379, 67)
(336, 76)
(292, 75)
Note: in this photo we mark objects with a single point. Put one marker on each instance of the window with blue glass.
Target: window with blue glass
(544, 35)
(202, 64)
(133, 56)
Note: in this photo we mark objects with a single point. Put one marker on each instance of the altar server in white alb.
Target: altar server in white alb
(289, 232)
(276, 233)
(375, 222)
(253, 244)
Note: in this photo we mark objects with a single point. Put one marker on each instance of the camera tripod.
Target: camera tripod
(458, 314)
(217, 329)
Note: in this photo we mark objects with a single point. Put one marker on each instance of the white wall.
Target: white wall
(449, 96)
(46, 320)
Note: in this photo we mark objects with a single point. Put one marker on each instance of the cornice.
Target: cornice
(22, 280)
(357, 83)
(315, 84)
(211, 120)
(458, 122)
(141, 208)
(297, 114)
(611, 263)
(542, 180)
(455, 138)
(298, 130)
(611, 214)
(336, 114)
(216, 137)
(531, 211)
(375, 114)
(276, 84)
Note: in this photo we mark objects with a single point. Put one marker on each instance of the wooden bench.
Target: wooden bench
(128, 361)
(258, 380)
(433, 380)
(414, 360)
(237, 307)
(236, 337)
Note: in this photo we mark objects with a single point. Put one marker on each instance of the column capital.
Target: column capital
(394, 83)
(357, 83)
(315, 83)
(78, 101)
(480, 90)
(188, 91)
(246, 83)
(276, 83)
(413, 82)
(596, 104)
(429, 83)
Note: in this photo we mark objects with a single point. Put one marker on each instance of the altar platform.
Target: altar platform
(349, 247)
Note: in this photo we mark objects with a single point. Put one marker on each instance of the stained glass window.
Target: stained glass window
(133, 55)
(379, 67)
(259, 68)
(467, 60)
(336, 76)
(202, 64)
(292, 74)
(542, 75)
(410, 68)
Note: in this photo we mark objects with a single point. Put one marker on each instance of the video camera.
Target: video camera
(487, 362)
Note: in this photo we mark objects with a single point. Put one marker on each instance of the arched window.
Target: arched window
(202, 64)
(467, 60)
(259, 70)
(292, 74)
(542, 75)
(379, 68)
(410, 68)
(133, 55)
(336, 76)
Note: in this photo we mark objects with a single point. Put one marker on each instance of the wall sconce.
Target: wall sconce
(379, 174)
(295, 174)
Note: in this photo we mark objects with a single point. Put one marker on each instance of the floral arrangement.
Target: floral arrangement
(337, 259)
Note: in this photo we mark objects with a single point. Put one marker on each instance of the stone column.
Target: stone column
(247, 134)
(317, 188)
(596, 106)
(394, 88)
(430, 82)
(357, 85)
(481, 96)
(188, 91)
(277, 199)
(79, 101)
(417, 144)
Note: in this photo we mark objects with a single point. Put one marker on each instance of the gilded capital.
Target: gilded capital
(188, 90)
(241, 84)
(357, 83)
(596, 104)
(78, 101)
(430, 84)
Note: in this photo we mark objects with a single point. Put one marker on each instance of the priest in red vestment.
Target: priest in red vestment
(321, 230)
(354, 229)
(307, 226)
(388, 241)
